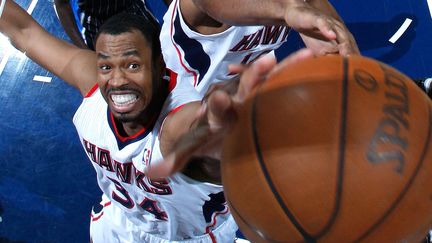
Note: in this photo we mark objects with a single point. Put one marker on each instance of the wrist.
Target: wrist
(292, 7)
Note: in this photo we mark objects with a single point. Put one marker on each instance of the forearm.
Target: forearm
(67, 20)
(70, 63)
(247, 12)
(326, 7)
(17, 25)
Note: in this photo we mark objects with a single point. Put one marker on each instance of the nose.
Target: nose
(118, 78)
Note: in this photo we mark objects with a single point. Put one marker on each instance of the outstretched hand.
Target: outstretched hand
(321, 32)
(217, 115)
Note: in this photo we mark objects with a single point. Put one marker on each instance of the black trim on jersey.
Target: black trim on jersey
(216, 204)
(194, 53)
(125, 141)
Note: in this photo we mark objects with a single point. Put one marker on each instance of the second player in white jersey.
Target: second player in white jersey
(150, 206)
(202, 60)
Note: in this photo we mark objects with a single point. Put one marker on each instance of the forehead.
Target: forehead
(108, 44)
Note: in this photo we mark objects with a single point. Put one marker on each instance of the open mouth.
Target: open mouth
(123, 103)
(123, 99)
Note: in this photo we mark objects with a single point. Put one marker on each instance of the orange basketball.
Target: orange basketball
(332, 149)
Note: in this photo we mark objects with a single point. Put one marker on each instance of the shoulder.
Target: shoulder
(177, 123)
(198, 19)
(81, 71)
(179, 120)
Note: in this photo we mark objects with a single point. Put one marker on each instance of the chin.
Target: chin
(124, 117)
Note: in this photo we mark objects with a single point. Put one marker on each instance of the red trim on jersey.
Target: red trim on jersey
(213, 238)
(173, 80)
(175, 110)
(175, 46)
(92, 90)
(214, 219)
(93, 218)
(169, 113)
(97, 218)
(124, 139)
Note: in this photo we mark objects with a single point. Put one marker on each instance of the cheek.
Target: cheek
(149, 87)
(102, 79)
(145, 81)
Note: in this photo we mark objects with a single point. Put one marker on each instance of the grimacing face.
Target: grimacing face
(125, 74)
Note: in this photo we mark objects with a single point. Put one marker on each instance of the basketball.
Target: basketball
(332, 149)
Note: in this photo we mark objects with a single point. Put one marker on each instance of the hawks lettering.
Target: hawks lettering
(267, 35)
(126, 171)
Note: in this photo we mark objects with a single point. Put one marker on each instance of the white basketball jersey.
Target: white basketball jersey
(175, 209)
(203, 59)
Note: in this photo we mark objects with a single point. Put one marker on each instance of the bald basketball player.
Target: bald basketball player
(128, 120)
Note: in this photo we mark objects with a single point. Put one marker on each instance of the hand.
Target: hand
(321, 32)
(217, 115)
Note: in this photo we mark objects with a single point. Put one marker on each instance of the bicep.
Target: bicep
(75, 66)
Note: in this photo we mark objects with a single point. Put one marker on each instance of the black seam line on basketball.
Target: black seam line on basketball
(342, 147)
(233, 209)
(306, 236)
(407, 186)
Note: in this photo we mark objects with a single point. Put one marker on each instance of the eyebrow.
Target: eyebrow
(131, 53)
(128, 53)
(102, 56)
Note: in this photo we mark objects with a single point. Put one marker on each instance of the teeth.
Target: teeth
(123, 99)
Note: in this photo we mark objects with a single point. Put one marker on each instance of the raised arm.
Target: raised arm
(74, 65)
(316, 20)
(198, 130)
(67, 20)
(245, 12)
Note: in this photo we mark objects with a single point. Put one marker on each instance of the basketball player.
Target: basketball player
(93, 14)
(128, 119)
(199, 39)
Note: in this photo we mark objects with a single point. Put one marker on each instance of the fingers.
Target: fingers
(325, 27)
(219, 111)
(253, 76)
(326, 33)
(236, 68)
(161, 169)
(292, 59)
(343, 40)
(187, 145)
(346, 42)
(309, 21)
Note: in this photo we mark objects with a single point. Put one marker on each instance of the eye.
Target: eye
(133, 66)
(104, 67)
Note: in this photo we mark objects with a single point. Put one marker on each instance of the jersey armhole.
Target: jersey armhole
(92, 90)
(169, 113)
